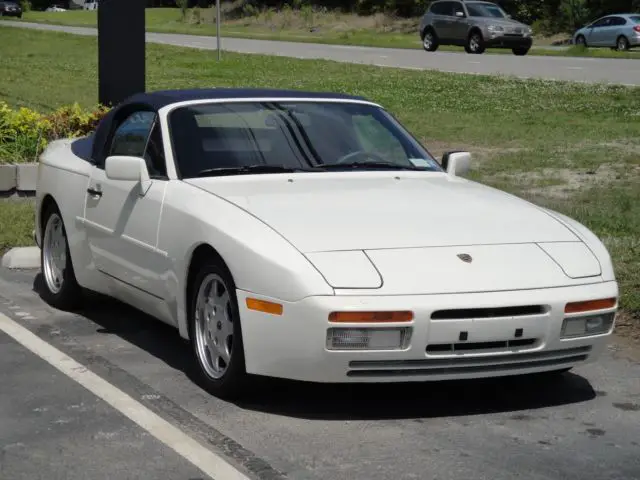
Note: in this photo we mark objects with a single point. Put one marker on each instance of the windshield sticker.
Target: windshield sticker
(423, 163)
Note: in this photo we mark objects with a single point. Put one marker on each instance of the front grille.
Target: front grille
(467, 365)
(480, 346)
(497, 312)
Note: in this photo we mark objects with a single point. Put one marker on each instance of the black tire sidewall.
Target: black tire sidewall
(618, 43)
(69, 295)
(480, 49)
(232, 383)
(434, 40)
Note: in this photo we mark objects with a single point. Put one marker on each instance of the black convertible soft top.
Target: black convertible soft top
(154, 101)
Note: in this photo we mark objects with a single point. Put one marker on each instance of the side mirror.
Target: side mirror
(459, 14)
(128, 169)
(456, 163)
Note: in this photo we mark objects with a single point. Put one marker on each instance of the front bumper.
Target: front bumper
(11, 13)
(499, 40)
(294, 345)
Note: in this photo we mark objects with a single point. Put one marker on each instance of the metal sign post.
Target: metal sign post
(218, 27)
(121, 49)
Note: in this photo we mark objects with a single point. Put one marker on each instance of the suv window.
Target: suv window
(481, 9)
(456, 7)
(442, 8)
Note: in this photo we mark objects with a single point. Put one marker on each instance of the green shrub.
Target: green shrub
(24, 133)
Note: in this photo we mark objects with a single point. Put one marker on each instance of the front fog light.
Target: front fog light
(588, 325)
(368, 338)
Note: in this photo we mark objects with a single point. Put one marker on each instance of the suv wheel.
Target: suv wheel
(520, 51)
(430, 41)
(475, 43)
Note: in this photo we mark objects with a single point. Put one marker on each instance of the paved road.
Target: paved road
(592, 70)
(584, 426)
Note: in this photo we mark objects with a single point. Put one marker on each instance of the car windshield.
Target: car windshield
(479, 9)
(268, 137)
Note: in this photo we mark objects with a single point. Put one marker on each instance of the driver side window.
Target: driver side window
(139, 136)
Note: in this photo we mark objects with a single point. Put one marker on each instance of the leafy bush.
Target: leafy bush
(24, 133)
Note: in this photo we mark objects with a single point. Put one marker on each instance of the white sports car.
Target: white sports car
(309, 236)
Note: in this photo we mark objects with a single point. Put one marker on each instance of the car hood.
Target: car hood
(503, 22)
(322, 212)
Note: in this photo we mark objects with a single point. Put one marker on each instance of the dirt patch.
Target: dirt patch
(562, 183)
(478, 154)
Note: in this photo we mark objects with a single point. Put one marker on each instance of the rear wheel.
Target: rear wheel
(475, 43)
(216, 333)
(60, 288)
(622, 44)
(520, 51)
(430, 41)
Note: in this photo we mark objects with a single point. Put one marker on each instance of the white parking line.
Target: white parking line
(211, 464)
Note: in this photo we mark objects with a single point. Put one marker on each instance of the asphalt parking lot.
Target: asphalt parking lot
(583, 426)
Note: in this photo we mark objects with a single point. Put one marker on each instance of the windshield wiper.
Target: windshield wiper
(248, 169)
(369, 166)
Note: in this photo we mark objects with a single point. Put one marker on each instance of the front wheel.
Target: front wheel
(429, 41)
(216, 333)
(60, 289)
(581, 41)
(520, 51)
(475, 43)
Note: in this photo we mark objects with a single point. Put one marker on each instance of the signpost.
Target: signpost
(121, 49)
(218, 26)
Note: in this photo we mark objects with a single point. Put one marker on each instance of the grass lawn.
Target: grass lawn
(16, 219)
(303, 25)
(572, 147)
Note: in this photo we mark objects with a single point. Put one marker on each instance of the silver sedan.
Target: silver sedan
(620, 31)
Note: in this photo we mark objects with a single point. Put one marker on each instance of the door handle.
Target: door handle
(93, 192)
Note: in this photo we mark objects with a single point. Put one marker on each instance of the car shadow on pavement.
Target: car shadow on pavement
(345, 401)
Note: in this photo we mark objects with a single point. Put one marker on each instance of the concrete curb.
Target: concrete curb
(20, 258)
(21, 177)
(8, 178)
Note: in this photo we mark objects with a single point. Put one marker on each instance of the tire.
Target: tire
(475, 43)
(520, 51)
(622, 44)
(580, 40)
(223, 378)
(430, 40)
(60, 289)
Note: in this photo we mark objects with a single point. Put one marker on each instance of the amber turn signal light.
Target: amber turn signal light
(264, 306)
(590, 305)
(370, 317)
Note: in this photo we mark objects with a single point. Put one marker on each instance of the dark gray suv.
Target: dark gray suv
(475, 25)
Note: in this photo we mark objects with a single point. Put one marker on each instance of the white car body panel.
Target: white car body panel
(378, 210)
(319, 242)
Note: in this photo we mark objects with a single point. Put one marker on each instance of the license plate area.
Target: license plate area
(481, 336)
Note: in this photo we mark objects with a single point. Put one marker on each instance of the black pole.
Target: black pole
(121, 49)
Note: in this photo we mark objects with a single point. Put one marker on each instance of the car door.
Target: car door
(443, 15)
(459, 25)
(121, 218)
(613, 31)
(597, 34)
